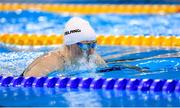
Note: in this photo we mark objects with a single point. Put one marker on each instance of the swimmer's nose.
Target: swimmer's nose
(91, 51)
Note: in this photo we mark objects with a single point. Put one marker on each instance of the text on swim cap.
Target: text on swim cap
(72, 31)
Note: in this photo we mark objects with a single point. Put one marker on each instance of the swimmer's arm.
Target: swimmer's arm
(100, 61)
(44, 65)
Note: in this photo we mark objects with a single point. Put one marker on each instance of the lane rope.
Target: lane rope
(34, 40)
(92, 9)
(156, 85)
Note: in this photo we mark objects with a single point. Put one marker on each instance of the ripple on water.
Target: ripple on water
(14, 63)
(37, 22)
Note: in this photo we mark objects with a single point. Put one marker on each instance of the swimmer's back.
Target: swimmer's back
(45, 64)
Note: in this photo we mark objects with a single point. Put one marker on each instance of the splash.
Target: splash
(82, 65)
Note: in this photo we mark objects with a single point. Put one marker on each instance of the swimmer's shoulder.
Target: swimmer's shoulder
(51, 60)
(61, 54)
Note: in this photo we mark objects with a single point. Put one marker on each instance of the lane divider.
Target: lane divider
(92, 9)
(33, 40)
(157, 85)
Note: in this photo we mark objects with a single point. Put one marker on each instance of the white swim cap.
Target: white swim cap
(77, 30)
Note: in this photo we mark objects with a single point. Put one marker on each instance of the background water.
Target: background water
(85, 98)
(96, 1)
(161, 63)
(106, 24)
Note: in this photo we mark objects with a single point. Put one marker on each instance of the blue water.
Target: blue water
(107, 24)
(160, 63)
(176, 2)
(85, 98)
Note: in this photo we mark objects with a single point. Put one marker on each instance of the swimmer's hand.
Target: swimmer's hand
(122, 66)
(135, 68)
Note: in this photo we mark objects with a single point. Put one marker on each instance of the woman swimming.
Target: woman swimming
(79, 42)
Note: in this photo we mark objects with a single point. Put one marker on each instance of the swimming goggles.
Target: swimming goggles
(87, 46)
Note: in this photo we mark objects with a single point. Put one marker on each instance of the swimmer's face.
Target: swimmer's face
(87, 46)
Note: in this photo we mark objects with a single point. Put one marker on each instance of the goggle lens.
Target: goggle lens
(86, 46)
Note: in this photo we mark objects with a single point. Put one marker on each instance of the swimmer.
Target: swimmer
(79, 41)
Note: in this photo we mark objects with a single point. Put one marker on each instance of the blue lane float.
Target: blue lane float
(155, 85)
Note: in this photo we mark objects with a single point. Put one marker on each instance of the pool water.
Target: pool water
(107, 24)
(160, 63)
(84, 98)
